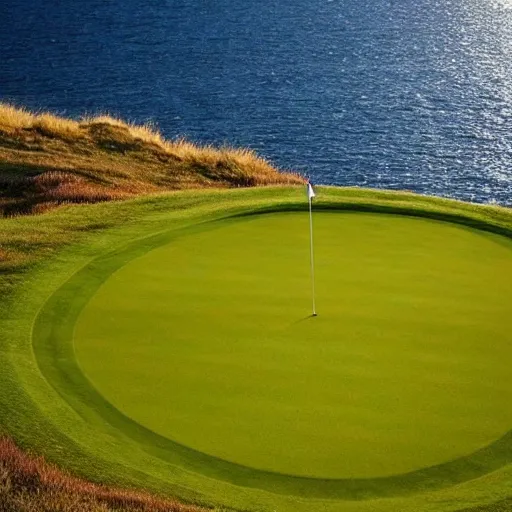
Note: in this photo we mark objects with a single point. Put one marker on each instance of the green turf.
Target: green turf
(48, 405)
(211, 332)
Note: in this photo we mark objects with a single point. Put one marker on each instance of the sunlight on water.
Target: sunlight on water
(409, 94)
(507, 4)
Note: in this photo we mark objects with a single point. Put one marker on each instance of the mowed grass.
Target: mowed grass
(208, 341)
(46, 405)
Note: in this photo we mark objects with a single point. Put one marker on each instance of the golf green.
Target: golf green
(208, 341)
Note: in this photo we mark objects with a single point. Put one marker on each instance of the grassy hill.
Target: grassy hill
(47, 160)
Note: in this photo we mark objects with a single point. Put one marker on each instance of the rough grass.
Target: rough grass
(30, 484)
(46, 160)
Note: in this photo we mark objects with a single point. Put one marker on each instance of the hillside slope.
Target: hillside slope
(47, 160)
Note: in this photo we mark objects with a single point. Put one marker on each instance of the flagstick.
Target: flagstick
(311, 254)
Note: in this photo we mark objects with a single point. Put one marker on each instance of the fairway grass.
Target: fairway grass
(173, 350)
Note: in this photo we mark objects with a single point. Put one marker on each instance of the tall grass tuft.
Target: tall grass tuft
(14, 118)
(53, 126)
(147, 133)
(30, 484)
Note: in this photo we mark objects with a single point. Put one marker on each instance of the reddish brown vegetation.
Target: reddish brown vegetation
(29, 484)
(47, 160)
(41, 192)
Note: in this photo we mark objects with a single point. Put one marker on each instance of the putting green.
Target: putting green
(207, 342)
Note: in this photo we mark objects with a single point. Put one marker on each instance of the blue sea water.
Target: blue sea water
(397, 94)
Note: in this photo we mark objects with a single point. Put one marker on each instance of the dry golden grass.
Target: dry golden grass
(12, 118)
(29, 484)
(53, 126)
(46, 160)
(146, 133)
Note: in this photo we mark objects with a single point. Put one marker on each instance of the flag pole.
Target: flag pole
(311, 194)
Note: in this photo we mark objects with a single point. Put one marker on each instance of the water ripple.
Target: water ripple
(399, 95)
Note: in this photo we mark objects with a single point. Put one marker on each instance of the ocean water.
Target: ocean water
(395, 94)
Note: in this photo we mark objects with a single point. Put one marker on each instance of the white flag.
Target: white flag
(311, 192)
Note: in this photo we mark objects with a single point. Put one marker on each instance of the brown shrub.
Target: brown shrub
(28, 483)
